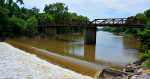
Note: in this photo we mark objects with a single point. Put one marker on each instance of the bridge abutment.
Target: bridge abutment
(90, 35)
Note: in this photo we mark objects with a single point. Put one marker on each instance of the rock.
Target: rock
(131, 71)
(139, 71)
(129, 68)
(146, 70)
(144, 76)
(113, 74)
(140, 74)
(138, 62)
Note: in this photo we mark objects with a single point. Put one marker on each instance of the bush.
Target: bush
(45, 18)
(3, 21)
(31, 28)
(147, 63)
(146, 58)
(17, 26)
(145, 35)
(147, 55)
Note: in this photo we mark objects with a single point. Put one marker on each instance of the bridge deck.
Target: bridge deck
(111, 22)
(95, 25)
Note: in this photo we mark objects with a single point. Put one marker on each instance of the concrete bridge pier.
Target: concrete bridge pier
(90, 35)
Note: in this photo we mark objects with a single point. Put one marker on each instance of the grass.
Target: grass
(146, 58)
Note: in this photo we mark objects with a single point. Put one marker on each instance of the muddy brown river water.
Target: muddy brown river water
(110, 49)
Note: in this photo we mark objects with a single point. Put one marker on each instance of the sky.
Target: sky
(97, 8)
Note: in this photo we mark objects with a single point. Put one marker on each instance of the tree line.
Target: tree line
(18, 21)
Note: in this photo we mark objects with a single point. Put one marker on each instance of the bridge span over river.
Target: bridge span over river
(90, 26)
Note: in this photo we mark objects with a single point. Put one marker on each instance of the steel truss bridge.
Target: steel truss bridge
(111, 22)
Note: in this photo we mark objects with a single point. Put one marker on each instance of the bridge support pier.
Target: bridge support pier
(90, 35)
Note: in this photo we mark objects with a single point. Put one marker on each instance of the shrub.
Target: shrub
(31, 28)
(145, 36)
(17, 26)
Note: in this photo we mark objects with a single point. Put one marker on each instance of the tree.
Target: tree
(3, 15)
(17, 26)
(147, 13)
(15, 20)
(11, 5)
(26, 13)
(2, 2)
(35, 11)
(20, 1)
(32, 24)
(3, 20)
(44, 18)
(141, 18)
(56, 8)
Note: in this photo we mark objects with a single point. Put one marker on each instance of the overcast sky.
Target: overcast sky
(97, 8)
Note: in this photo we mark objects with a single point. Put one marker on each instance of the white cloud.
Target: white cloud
(97, 8)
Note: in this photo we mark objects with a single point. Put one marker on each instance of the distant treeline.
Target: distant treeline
(142, 34)
(18, 21)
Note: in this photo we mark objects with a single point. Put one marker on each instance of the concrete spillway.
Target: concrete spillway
(74, 64)
(17, 64)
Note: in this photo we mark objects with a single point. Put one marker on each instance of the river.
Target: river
(110, 49)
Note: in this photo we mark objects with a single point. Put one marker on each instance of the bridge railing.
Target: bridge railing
(97, 22)
(109, 21)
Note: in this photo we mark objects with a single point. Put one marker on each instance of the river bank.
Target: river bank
(17, 64)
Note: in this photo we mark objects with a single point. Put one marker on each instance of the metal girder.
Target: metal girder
(111, 22)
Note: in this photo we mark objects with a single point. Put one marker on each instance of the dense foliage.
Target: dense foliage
(18, 21)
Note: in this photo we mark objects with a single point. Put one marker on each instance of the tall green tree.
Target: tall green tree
(32, 24)
(57, 10)
(12, 6)
(3, 20)
(147, 13)
(141, 18)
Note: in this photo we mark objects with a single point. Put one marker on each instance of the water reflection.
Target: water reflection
(89, 53)
(112, 49)
(109, 48)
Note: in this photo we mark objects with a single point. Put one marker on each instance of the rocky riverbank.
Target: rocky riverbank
(130, 71)
(136, 71)
(17, 64)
